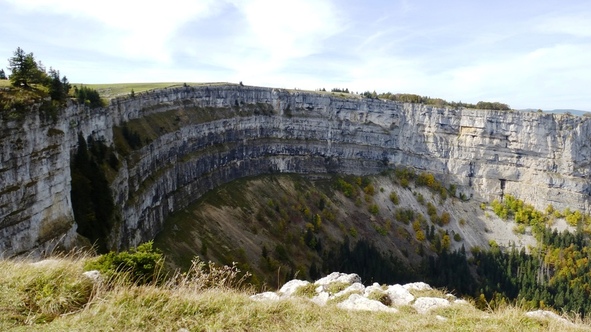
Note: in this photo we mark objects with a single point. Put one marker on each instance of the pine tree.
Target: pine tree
(2, 75)
(25, 69)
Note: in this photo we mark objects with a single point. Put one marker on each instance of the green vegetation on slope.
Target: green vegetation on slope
(281, 226)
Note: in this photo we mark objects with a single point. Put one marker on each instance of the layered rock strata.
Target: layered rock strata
(538, 157)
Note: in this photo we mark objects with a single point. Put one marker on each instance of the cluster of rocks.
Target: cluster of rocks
(350, 294)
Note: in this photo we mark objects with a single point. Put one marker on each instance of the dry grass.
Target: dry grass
(217, 307)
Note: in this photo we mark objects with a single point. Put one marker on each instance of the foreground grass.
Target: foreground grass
(56, 297)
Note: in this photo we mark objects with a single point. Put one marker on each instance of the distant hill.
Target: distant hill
(562, 111)
(559, 111)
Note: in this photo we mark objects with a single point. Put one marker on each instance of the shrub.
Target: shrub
(141, 265)
(373, 209)
(445, 217)
(421, 199)
(519, 229)
(369, 190)
(420, 235)
(394, 198)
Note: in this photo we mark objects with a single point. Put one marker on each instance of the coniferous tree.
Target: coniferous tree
(25, 69)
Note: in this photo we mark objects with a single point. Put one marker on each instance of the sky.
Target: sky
(528, 54)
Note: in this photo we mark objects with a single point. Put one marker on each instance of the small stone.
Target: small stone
(93, 275)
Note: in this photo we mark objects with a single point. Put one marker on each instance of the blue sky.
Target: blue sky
(528, 54)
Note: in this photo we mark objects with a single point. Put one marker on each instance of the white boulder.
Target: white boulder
(292, 286)
(354, 288)
(339, 277)
(545, 314)
(373, 288)
(358, 302)
(426, 304)
(399, 295)
(419, 286)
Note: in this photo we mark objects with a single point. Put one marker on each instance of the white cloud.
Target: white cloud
(135, 29)
(278, 31)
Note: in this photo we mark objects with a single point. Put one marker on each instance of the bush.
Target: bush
(141, 265)
(374, 209)
(394, 198)
(369, 190)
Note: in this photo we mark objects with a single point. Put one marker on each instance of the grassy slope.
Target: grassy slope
(112, 90)
(46, 297)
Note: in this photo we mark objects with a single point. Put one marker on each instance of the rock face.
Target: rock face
(540, 158)
(35, 205)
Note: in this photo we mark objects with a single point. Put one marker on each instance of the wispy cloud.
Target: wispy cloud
(129, 28)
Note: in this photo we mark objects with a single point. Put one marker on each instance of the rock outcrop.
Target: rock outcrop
(356, 297)
(224, 132)
(352, 295)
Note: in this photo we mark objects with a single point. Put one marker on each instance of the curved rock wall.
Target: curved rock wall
(541, 158)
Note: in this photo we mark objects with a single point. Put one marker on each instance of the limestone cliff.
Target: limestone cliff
(213, 134)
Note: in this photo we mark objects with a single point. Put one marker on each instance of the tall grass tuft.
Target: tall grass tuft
(201, 276)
